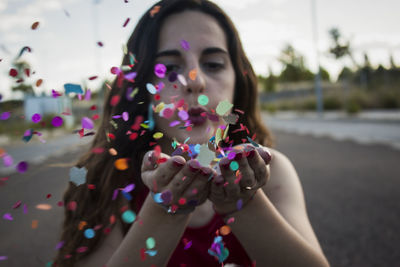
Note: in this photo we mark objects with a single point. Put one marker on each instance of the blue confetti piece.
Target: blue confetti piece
(73, 88)
(127, 195)
(252, 142)
(151, 119)
(151, 252)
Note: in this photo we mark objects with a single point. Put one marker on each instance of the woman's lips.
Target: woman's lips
(197, 115)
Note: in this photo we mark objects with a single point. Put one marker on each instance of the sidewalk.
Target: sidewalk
(373, 127)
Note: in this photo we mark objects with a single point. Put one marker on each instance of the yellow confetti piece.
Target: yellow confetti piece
(226, 132)
(35, 224)
(218, 134)
(143, 125)
(158, 135)
(223, 107)
(159, 107)
(121, 164)
(125, 49)
(135, 91)
(193, 74)
(225, 230)
(81, 225)
(114, 124)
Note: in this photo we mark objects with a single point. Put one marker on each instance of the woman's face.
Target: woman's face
(206, 66)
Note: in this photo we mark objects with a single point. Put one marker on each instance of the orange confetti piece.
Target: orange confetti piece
(225, 230)
(35, 25)
(154, 11)
(81, 225)
(193, 74)
(39, 82)
(35, 224)
(121, 164)
(43, 207)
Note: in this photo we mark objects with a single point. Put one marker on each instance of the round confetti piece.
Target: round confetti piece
(35, 25)
(57, 121)
(7, 160)
(160, 70)
(182, 201)
(167, 113)
(193, 74)
(36, 117)
(173, 77)
(5, 115)
(203, 100)
(151, 88)
(185, 45)
(150, 243)
(121, 164)
(157, 198)
(158, 135)
(234, 165)
(89, 233)
(183, 115)
(112, 151)
(13, 73)
(182, 79)
(225, 230)
(114, 100)
(125, 116)
(87, 123)
(22, 167)
(72, 205)
(239, 204)
(128, 216)
(231, 155)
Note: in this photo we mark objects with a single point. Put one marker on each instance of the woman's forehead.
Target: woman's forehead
(198, 29)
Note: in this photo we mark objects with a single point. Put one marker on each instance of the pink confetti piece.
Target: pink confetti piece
(174, 123)
(160, 70)
(22, 166)
(183, 115)
(129, 188)
(17, 204)
(185, 45)
(36, 118)
(5, 115)
(87, 123)
(8, 160)
(57, 121)
(81, 249)
(8, 217)
(88, 95)
(230, 220)
(125, 116)
(167, 113)
(115, 70)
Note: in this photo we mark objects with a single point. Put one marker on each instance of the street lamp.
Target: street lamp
(317, 80)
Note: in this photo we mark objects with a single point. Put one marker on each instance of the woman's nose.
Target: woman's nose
(195, 82)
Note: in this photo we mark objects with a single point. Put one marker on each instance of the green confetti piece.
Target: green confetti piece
(114, 124)
(203, 100)
(128, 216)
(150, 243)
(234, 166)
(223, 107)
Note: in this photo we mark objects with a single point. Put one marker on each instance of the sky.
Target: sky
(64, 45)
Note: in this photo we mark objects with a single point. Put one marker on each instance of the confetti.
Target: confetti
(203, 100)
(5, 116)
(128, 216)
(60, 245)
(160, 70)
(43, 207)
(223, 107)
(183, 115)
(126, 22)
(239, 204)
(8, 217)
(121, 164)
(23, 50)
(173, 76)
(89, 233)
(39, 82)
(158, 135)
(57, 121)
(185, 45)
(174, 123)
(73, 88)
(35, 224)
(182, 79)
(77, 175)
(205, 155)
(150, 243)
(193, 74)
(13, 72)
(154, 10)
(71, 205)
(87, 123)
(234, 165)
(167, 113)
(152, 90)
(36, 117)
(2, 258)
(22, 166)
(35, 25)
(114, 100)
(225, 230)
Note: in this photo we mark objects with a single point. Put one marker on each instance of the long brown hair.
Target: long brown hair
(99, 207)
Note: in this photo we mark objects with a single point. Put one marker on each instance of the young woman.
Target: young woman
(207, 192)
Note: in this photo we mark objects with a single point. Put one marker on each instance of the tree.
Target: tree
(294, 67)
(341, 48)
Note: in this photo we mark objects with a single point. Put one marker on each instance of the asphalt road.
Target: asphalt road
(352, 193)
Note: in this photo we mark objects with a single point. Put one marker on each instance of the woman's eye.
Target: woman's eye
(214, 66)
(172, 67)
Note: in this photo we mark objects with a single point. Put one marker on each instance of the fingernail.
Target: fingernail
(219, 180)
(250, 154)
(266, 156)
(178, 162)
(205, 171)
(150, 157)
(193, 166)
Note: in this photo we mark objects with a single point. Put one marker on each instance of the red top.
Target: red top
(201, 238)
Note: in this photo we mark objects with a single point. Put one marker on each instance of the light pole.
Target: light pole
(317, 80)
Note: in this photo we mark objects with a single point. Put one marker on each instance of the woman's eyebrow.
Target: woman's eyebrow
(214, 50)
(166, 53)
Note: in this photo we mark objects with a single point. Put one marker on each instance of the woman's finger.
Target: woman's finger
(258, 165)
(231, 185)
